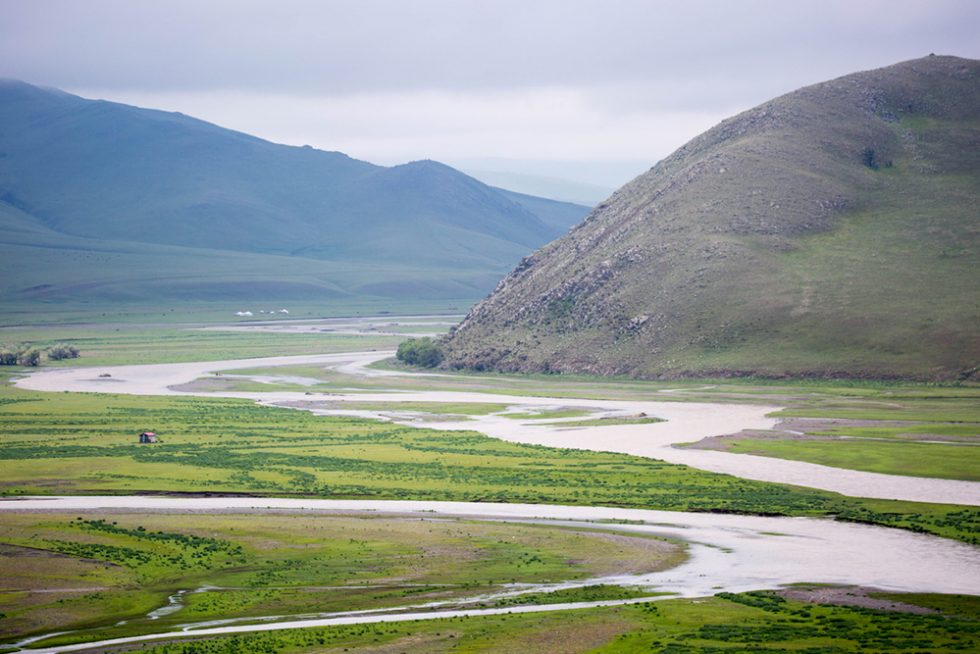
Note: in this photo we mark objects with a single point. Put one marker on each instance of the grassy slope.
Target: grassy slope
(118, 203)
(42, 268)
(767, 246)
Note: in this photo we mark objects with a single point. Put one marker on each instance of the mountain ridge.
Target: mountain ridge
(94, 169)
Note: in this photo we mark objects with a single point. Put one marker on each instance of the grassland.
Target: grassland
(887, 411)
(964, 606)
(86, 443)
(66, 314)
(915, 431)
(840, 398)
(894, 458)
(732, 624)
(88, 572)
(117, 344)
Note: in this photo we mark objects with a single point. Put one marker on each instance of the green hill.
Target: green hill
(189, 209)
(829, 232)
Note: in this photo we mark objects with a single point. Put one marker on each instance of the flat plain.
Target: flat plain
(102, 569)
(90, 572)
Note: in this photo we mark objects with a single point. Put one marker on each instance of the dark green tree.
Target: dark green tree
(422, 352)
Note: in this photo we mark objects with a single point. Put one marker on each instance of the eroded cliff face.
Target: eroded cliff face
(830, 231)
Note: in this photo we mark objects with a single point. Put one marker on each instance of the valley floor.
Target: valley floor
(555, 441)
(680, 422)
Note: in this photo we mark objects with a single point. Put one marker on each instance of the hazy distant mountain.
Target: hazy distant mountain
(102, 171)
(830, 231)
(554, 188)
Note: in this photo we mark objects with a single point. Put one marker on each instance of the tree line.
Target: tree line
(25, 354)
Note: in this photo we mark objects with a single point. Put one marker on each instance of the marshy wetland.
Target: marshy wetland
(534, 469)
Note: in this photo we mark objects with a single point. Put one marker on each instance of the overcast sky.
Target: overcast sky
(590, 90)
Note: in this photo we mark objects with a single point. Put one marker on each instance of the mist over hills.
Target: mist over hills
(545, 186)
(223, 214)
(832, 231)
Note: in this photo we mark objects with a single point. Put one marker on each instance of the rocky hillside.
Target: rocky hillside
(829, 232)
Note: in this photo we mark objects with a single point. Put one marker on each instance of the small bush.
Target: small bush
(62, 351)
(19, 355)
(422, 352)
(870, 158)
(29, 357)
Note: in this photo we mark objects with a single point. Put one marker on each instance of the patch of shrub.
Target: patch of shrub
(29, 357)
(870, 158)
(62, 351)
(422, 352)
(19, 355)
(8, 356)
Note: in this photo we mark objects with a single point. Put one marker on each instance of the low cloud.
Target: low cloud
(542, 124)
(387, 80)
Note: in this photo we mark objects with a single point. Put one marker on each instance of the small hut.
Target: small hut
(148, 437)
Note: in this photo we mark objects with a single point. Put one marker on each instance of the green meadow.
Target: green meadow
(743, 623)
(902, 412)
(913, 431)
(180, 312)
(841, 398)
(119, 567)
(73, 443)
(118, 344)
(87, 443)
(89, 572)
(952, 461)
